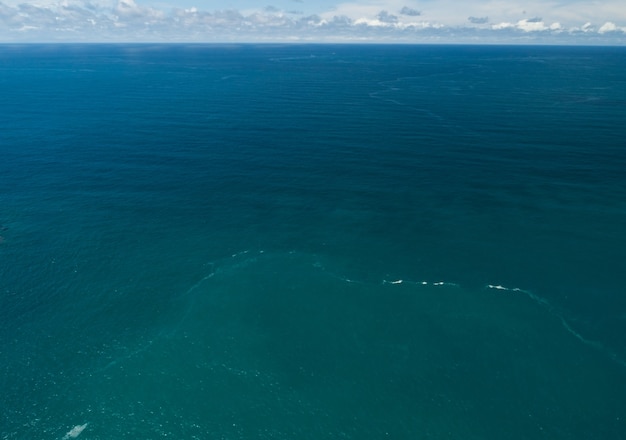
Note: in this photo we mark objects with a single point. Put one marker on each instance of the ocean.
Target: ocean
(312, 242)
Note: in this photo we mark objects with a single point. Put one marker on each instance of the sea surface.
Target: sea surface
(312, 242)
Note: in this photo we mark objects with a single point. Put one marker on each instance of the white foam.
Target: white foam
(544, 302)
(420, 283)
(75, 431)
(349, 280)
(236, 254)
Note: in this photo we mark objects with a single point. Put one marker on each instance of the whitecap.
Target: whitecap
(75, 431)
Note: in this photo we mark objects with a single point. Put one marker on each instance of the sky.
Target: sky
(357, 21)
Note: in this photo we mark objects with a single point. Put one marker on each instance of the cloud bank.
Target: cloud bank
(477, 22)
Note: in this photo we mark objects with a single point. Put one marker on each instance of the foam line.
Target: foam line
(132, 354)
(543, 302)
(594, 344)
(189, 308)
(554, 311)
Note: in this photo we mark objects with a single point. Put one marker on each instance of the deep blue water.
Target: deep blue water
(312, 242)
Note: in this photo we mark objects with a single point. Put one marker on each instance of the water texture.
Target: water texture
(318, 241)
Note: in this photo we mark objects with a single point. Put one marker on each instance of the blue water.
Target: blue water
(307, 242)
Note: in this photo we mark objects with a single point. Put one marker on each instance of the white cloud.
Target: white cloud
(607, 27)
(377, 20)
(530, 25)
(610, 27)
(585, 28)
(556, 27)
(504, 25)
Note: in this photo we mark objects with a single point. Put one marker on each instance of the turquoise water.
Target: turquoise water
(234, 242)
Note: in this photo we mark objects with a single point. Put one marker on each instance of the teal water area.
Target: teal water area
(312, 242)
(282, 346)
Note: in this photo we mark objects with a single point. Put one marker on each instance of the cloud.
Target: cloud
(587, 27)
(128, 11)
(610, 27)
(386, 17)
(410, 12)
(133, 20)
(503, 25)
(478, 20)
(530, 25)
